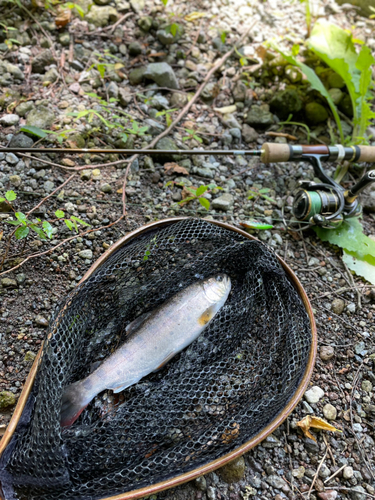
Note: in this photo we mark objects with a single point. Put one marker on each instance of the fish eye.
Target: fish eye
(219, 278)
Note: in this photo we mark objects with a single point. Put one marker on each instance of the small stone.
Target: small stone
(326, 352)
(358, 493)
(200, 483)
(64, 39)
(41, 61)
(366, 386)
(162, 74)
(335, 81)
(29, 356)
(336, 95)
(85, 254)
(9, 283)
(113, 90)
(211, 493)
(348, 472)
(7, 399)
(249, 134)
(40, 117)
(178, 100)
(9, 120)
(276, 481)
(314, 394)
(86, 174)
(135, 48)
(11, 158)
(21, 141)
(136, 75)
(137, 5)
(259, 116)
(101, 16)
(311, 446)
(239, 92)
(49, 186)
(328, 494)
(357, 427)
(224, 202)
(106, 188)
(233, 471)
(23, 108)
(360, 347)
(315, 112)
(293, 74)
(51, 76)
(21, 277)
(299, 473)
(165, 37)
(351, 308)
(15, 180)
(271, 441)
(41, 320)
(145, 23)
(125, 96)
(286, 102)
(346, 106)
(337, 306)
(330, 412)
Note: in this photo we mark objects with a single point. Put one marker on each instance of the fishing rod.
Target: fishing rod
(326, 204)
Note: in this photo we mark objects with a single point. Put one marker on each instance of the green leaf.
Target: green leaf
(348, 236)
(38, 132)
(10, 195)
(364, 65)
(21, 217)
(201, 190)
(205, 203)
(80, 221)
(47, 228)
(164, 2)
(101, 69)
(80, 11)
(39, 231)
(13, 222)
(186, 200)
(21, 232)
(315, 83)
(243, 61)
(362, 265)
(223, 36)
(197, 138)
(2, 199)
(174, 28)
(264, 190)
(59, 214)
(69, 223)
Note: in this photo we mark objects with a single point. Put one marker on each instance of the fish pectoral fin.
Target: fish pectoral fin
(122, 387)
(165, 361)
(207, 315)
(134, 325)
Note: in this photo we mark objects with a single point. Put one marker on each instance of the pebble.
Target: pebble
(200, 483)
(9, 120)
(7, 399)
(41, 320)
(366, 386)
(29, 356)
(337, 306)
(328, 494)
(326, 352)
(11, 158)
(106, 188)
(348, 472)
(49, 186)
(9, 283)
(314, 394)
(211, 493)
(357, 427)
(233, 471)
(351, 308)
(299, 473)
(358, 493)
(224, 202)
(330, 412)
(276, 481)
(324, 471)
(85, 254)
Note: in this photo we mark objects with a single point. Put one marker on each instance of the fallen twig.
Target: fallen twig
(316, 473)
(335, 474)
(114, 26)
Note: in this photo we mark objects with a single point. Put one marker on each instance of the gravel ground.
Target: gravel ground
(286, 464)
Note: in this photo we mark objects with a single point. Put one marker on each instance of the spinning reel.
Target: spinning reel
(325, 204)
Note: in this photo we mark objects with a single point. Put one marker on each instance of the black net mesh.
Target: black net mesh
(218, 393)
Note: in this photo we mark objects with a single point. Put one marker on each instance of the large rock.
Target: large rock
(364, 5)
(224, 202)
(21, 141)
(285, 103)
(315, 113)
(13, 70)
(9, 120)
(162, 74)
(136, 75)
(259, 116)
(101, 16)
(40, 117)
(42, 60)
(7, 399)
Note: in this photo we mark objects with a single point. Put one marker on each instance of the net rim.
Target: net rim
(215, 464)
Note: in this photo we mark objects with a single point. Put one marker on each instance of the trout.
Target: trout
(153, 339)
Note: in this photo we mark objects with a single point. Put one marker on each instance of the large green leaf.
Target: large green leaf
(335, 47)
(315, 83)
(30, 129)
(362, 266)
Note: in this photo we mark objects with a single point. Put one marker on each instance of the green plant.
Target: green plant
(60, 135)
(167, 113)
(9, 41)
(255, 193)
(174, 29)
(194, 193)
(42, 228)
(136, 129)
(191, 135)
(71, 6)
(307, 15)
(298, 124)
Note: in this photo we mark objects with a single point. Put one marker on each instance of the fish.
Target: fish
(153, 339)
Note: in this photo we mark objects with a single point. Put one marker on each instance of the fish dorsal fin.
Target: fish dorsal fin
(134, 325)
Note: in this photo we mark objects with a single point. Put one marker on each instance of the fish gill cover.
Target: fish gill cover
(221, 391)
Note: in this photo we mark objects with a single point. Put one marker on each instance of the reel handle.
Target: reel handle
(362, 184)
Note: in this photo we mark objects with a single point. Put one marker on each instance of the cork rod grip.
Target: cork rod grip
(273, 152)
(367, 154)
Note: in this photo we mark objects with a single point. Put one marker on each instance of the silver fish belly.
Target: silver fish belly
(161, 335)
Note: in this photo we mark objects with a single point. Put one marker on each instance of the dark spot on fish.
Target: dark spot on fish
(206, 316)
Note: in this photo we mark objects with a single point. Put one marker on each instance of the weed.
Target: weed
(255, 193)
(193, 193)
(298, 124)
(167, 113)
(136, 129)
(191, 135)
(74, 6)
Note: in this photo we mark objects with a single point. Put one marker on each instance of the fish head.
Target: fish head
(217, 288)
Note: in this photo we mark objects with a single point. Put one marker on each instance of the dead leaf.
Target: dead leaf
(174, 168)
(315, 423)
(63, 18)
(1, 235)
(193, 16)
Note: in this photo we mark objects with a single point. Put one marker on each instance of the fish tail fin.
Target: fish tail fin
(74, 400)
